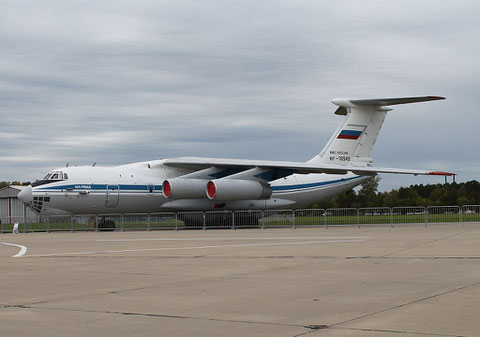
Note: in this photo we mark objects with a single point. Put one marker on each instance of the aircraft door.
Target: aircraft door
(112, 196)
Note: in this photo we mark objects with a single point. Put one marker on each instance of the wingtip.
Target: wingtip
(440, 173)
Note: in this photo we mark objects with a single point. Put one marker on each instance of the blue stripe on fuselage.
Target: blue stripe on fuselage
(98, 187)
(158, 188)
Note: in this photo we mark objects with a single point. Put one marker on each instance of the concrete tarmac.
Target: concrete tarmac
(373, 281)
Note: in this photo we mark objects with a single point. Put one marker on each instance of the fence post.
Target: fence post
(176, 221)
(425, 211)
(460, 216)
(293, 220)
(204, 222)
(263, 222)
(233, 220)
(71, 224)
(148, 222)
(461, 212)
(48, 224)
(358, 218)
(391, 217)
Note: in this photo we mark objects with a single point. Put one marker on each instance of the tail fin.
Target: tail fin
(353, 141)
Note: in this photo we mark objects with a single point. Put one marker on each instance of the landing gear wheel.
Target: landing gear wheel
(106, 225)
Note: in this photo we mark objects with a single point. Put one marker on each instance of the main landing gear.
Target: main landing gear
(106, 225)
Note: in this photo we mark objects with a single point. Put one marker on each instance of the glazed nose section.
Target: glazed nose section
(26, 194)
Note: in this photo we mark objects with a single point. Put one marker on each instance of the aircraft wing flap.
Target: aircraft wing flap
(196, 163)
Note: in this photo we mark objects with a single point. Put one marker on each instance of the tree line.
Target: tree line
(452, 194)
(8, 183)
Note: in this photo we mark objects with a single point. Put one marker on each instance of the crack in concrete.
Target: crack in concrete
(406, 304)
(107, 292)
(400, 332)
(176, 283)
(140, 314)
(310, 328)
(304, 333)
(424, 243)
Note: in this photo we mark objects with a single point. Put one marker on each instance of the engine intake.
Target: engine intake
(231, 189)
(184, 188)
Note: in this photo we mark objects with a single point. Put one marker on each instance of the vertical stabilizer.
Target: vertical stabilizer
(353, 142)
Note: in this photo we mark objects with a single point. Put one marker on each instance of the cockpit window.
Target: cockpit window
(55, 176)
(51, 177)
(47, 176)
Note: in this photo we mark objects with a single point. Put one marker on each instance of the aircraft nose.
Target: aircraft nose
(26, 194)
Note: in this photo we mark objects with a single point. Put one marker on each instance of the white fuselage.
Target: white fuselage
(137, 188)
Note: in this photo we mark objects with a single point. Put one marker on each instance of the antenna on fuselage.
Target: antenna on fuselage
(94, 164)
(67, 164)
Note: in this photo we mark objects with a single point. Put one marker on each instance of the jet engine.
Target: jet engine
(184, 188)
(231, 189)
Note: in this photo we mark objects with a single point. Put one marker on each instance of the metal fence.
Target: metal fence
(470, 213)
(408, 215)
(374, 216)
(341, 216)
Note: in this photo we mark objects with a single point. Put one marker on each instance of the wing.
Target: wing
(285, 168)
(249, 179)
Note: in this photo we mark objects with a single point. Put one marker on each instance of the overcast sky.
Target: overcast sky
(114, 82)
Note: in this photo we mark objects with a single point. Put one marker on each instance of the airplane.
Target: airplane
(217, 184)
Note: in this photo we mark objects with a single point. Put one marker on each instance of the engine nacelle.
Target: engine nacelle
(184, 188)
(231, 189)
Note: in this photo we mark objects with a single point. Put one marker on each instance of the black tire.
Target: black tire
(106, 225)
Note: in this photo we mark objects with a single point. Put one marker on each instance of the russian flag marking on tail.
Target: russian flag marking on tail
(349, 134)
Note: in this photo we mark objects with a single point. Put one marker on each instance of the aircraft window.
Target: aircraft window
(50, 177)
(55, 175)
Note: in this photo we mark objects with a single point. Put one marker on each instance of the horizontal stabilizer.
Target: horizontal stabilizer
(353, 102)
